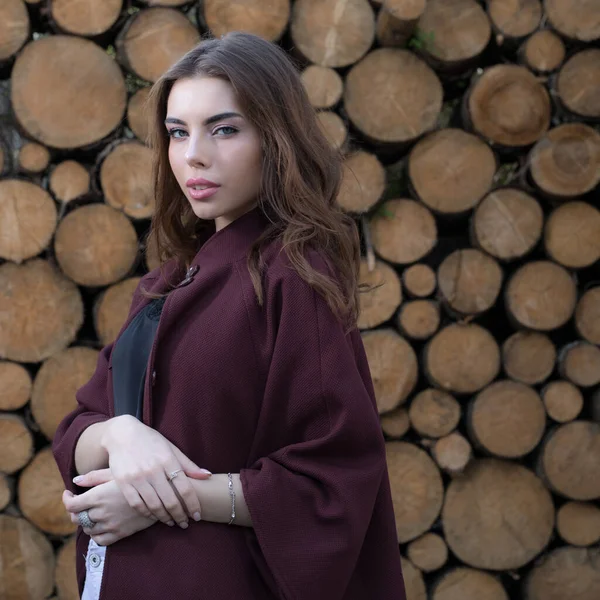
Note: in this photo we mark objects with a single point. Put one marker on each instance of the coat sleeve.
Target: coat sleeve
(92, 407)
(311, 497)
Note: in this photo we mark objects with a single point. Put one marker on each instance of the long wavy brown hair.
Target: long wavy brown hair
(301, 172)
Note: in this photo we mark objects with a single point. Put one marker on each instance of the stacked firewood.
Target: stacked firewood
(472, 166)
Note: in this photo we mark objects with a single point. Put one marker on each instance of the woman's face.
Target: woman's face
(214, 151)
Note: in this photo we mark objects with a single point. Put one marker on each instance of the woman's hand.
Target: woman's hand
(141, 460)
(107, 507)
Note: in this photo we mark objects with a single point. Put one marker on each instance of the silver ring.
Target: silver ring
(84, 520)
(174, 474)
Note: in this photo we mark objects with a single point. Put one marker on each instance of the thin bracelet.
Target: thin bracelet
(232, 494)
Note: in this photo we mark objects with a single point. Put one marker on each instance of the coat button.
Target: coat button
(192, 271)
(153, 377)
(95, 560)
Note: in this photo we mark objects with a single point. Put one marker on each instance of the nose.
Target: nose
(198, 152)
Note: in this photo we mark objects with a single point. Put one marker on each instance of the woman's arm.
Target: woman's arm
(89, 453)
(215, 500)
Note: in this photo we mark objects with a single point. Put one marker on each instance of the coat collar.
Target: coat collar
(232, 242)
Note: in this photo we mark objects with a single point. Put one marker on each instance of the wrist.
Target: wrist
(115, 429)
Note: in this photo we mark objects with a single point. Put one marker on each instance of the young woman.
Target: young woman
(228, 445)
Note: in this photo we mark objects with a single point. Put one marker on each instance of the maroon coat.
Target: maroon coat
(278, 394)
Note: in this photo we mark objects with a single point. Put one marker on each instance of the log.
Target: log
(574, 19)
(513, 20)
(95, 245)
(434, 413)
(507, 419)
(392, 96)
(419, 319)
(165, 2)
(397, 21)
(123, 176)
(14, 28)
(563, 401)
(587, 315)
(378, 305)
(462, 583)
(153, 39)
(85, 98)
(151, 255)
(565, 163)
(395, 424)
(267, 20)
(452, 453)
(508, 107)
(579, 362)
(33, 158)
(27, 219)
(403, 231)
(27, 565)
(459, 31)
(64, 574)
(15, 383)
(507, 224)
(497, 515)
(331, 34)
(87, 18)
(323, 85)
(462, 358)
(40, 495)
(528, 357)
(414, 584)
(578, 82)
(572, 235)
(16, 443)
(569, 462)
(56, 383)
(69, 180)
(469, 281)
(578, 523)
(393, 365)
(28, 294)
(541, 295)
(464, 168)
(565, 572)
(363, 182)
(417, 490)
(428, 553)
(111, 309)
(6, 491)
(419, 280)
(137, 115)
(543, 52)
(333, 127)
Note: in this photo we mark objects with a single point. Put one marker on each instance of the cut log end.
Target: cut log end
(333, 128)
(563, 401)
(395, 424)
(587, 315)
(463, 583)
(419, 319)
(515, 19)
(137, 115)
(578, 82)
(33, 158)
(541, 295)
(323, 85)
(69, 180)
(528, 357)
(517, 501)
(428, 553)
(379, 304)
(578, 523)
(417, 490)
(419, 280)
(452, 453)
(15, 383)
(87, 17)
(17, 443)
(386, 350)
(579, 362)
(434, 413)
(363, 182)
(543, 52)
(575, 20)
(14, 27)
(112, 308)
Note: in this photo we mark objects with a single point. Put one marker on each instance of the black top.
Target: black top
(130, 359)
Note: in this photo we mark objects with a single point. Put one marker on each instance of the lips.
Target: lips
(200, 183)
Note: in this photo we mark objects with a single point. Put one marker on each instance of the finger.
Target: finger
(171, 502)
(190, 467)
(135, 500)
(155, 503)
(94, 478)
(78, 503)
(188, 495)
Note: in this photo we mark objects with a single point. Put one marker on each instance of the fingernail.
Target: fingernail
(171, 523)
(78, 479)
(196, 516)
(205, 472)
(183, 525)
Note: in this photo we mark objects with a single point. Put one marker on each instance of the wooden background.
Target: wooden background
(472, 167)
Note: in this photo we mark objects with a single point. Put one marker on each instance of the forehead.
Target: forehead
(201, 97)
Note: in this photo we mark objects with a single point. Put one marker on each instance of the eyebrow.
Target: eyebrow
(213, 119)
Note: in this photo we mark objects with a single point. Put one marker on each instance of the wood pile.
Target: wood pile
(472, 143)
